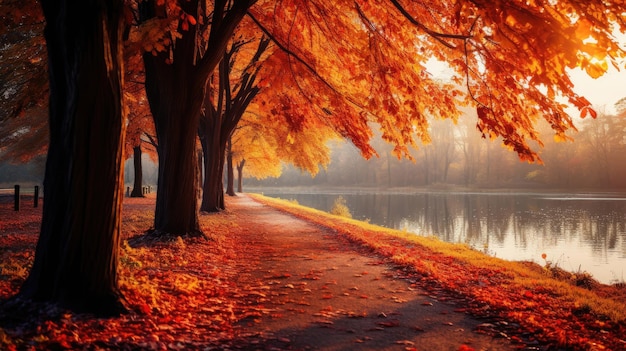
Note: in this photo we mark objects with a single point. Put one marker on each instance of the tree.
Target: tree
(240, 166)
(175, 81)
(77, 253)
(604, 140)
(230, 174)
(224, 105)
(250, 144)
(263, 141)
(140, 126)
(469, 145)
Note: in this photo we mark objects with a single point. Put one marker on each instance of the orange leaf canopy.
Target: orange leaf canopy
(352, 64)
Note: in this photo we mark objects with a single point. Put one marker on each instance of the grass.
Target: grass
(340, 208)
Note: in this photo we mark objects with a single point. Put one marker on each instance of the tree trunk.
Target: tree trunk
(76, 258)
(213, 151)
(175, 91)
(175, 106)
(240, 176)
(230, 187)
(221, 115)
(138, 183)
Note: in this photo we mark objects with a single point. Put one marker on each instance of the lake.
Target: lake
(577, 232)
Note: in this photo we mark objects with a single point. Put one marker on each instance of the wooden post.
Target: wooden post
(16, 197)
(36, 196)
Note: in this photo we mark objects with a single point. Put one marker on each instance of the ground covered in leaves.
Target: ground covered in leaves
(267, 280)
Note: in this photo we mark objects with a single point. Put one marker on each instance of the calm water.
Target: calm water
(576, 232)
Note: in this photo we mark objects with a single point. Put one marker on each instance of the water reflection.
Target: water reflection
(576, 232)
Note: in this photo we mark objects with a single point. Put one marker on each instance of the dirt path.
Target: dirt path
(313, 290)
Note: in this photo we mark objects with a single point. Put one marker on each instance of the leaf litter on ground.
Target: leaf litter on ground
(185, 294)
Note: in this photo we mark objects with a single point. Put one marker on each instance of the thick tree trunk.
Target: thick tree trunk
(175, 106)
(175, 92)
(76, 258)
(213, 152)
(240, 176)
(230, 187)
(138, 183)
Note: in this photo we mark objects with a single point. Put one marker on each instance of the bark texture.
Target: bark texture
(76, 257)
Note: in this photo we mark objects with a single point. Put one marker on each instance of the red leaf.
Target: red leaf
(191, 20)
(588, 110)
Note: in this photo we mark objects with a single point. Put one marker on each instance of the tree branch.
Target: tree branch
(436, 35)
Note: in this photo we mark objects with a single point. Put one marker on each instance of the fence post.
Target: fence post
(16, 197)
(36, 196)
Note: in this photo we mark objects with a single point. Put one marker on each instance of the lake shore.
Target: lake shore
(431, 189)
(578, 232)
(537, 297)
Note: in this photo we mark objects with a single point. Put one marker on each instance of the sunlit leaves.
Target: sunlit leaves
(362, 77)
(593, 67)
(588, 111)
(512, 61)
(363, 61)
(266, 138)
(154, 35)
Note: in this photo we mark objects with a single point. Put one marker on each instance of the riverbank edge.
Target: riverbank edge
(525, 276)
(433, 189)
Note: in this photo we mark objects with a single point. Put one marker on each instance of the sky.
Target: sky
(603, 91)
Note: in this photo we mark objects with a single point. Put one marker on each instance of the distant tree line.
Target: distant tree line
(457, 156)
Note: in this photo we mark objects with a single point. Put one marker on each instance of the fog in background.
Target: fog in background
(32, 172)
(458, 156)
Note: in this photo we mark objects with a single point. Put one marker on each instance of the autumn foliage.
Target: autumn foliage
(357, 66)
(361, 65)
(368, 64)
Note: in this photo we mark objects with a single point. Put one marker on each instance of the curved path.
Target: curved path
(313, 290)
